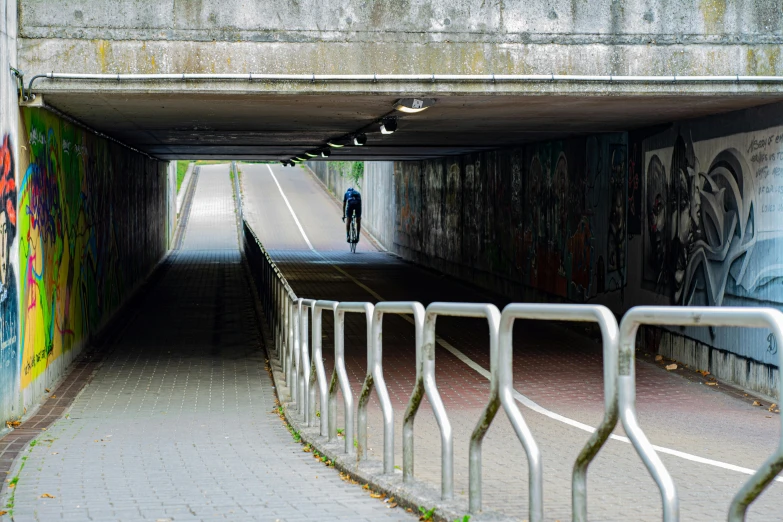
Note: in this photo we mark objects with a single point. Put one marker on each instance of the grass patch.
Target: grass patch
(182, 169)
(12, 486)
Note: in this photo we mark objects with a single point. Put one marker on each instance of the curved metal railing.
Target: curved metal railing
(302, 365)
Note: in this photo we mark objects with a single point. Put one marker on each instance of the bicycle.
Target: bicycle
(354, 233)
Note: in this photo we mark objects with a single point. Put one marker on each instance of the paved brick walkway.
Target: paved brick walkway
(178, 422)
(557, 368)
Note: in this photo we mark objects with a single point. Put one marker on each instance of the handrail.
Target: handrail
(374, 379)
(425, 381)
(340, 375)
(303, 377)
(492, 315)
(690, 316)
(610, 335)
(290, 326)
(317, 372)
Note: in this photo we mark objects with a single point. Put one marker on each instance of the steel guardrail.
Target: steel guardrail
(285, 313)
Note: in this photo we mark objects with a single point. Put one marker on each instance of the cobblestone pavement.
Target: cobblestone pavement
(558, 368)
(178, 421)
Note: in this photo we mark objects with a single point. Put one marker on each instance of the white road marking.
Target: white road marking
(293, 214)
(522, 399)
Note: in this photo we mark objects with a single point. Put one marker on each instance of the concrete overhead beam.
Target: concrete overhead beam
(600, 37)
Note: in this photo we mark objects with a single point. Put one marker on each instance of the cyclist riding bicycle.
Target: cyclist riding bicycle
(352, 201)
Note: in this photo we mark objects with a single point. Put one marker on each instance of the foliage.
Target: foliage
(182, 168)
(353, 170)
(426, 514)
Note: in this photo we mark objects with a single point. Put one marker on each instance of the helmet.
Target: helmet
(350, 189)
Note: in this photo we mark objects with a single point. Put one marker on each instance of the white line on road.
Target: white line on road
(522, 399)
(293, 214)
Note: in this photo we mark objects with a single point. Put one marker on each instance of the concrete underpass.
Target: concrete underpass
(171, 185)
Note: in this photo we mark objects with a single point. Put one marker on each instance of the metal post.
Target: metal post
(317, 373)
(374, 378)
(304, 370)
(297, 366)
(340, 376)
(425, 383)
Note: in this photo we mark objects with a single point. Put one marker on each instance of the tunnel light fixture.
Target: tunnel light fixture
(413, 105)
(311, 155)
(334, 145)
(325, 153)
(360, 139)
(300, 158)
(388, 125)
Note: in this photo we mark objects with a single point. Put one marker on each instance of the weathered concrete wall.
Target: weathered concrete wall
(10, 403)
(94, 224)
(689, 214)
(378, 194)
(637, 37)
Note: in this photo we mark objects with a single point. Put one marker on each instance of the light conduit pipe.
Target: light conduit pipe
(376, 78)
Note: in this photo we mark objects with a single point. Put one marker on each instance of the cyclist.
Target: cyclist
(352, 200)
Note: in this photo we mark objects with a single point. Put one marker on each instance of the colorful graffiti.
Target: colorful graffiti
(92, 223)
(9, 311)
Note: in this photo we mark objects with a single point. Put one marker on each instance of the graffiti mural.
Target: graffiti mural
(550, 216)
(92, 223)
(575, 231)
(9, 311)
(713, 218)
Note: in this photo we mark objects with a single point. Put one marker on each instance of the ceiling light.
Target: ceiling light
(413, 105)
(300, 158)
(325, 153)
(334, 145)
(360, 139)
(388, 125)
(310, 154)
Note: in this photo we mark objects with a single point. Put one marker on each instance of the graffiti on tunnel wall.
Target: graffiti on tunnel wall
(9, 312)
(92, 224)
(714, 210)
(550, 216)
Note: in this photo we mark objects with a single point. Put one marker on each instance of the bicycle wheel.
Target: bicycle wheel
(354, 238)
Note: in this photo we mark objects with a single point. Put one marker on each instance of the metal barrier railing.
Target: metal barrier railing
(303, 371)
(317, 372)
(374, 380)
(690, 316)
(340, 375)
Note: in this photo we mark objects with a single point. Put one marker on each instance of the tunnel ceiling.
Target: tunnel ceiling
(277, 127)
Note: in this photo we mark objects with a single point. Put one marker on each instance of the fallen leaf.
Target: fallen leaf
(757, 403)
(391, 505)
(53, 397)
(711, 383)
(768, 416)
(11, 485)
(47, 390)
(54, 453)
(672, 366)
(772, 408)
(366, 486)
(704, 373)
(3, 513)
(658, 358)
(377, 495)
(47, 495)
